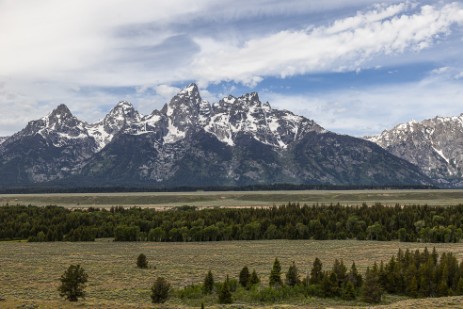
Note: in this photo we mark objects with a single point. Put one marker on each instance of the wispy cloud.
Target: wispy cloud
(347, 44)
(78, 52)
(369, 111)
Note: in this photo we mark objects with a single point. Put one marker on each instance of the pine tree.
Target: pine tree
(292, 276)
(372, 291)
(412, 288)
(459, 288)
(244, 277)
(275, 274)
(354, 276)
(348, 291)
(142, 262)
(254, 278)
(411, 284)
(225, 296)
(208, 283)
(73, 283)
(442, 287)
(160, 291)
(329, 284)
(316, 274)
(340, 270)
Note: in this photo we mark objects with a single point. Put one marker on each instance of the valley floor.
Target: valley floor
(29, 272)
(201, 199)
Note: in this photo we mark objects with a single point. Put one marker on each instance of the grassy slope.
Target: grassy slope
(29, 272)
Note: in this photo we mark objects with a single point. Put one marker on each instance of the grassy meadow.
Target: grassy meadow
(237, 198)
(29, 272)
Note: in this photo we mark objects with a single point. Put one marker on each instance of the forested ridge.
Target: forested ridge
(186, 223)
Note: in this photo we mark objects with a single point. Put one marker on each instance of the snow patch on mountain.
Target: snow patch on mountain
(186, 112)
(435, 145)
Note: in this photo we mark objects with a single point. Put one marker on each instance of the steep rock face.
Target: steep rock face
(236, 141)
(434, 145)
(50, 148)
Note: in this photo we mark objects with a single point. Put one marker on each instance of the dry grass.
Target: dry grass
(238, 199)
(29, 272)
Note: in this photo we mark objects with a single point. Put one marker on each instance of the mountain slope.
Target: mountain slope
(189, 142)
(434, 145)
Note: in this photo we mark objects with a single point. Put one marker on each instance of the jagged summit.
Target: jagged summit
(435, 145)
(235, 141)
(61, 109)
(191, 89)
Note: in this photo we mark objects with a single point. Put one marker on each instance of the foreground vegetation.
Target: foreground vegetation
(291, 221)
(30, 272)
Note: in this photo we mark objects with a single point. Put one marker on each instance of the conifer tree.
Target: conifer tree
(208, 283)
(459, 288)
(372, 291)
(329, 285)
(142, 262)
(254, 278)
(434, 255)
(412, 288)
(292, 276)
(160, 290)
(411, 284)
(316, 274)
(244, 277)
(354, 276)
(348, 291)
(73, 283)
(225, 296)
(340, 270)
(442, 287)
(275, 274)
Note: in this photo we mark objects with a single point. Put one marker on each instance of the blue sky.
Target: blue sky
(355, 67)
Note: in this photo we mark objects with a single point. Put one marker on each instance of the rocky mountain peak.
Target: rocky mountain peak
(123, 109)
(61, 110)
(237, 141)
(434, 145)
(60, 119)
(190, 90)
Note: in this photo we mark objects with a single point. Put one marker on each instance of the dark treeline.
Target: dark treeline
(186, 223)
(257, 187)
(409, 273)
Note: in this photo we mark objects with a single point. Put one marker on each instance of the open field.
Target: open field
(238, 198)
(29, 272)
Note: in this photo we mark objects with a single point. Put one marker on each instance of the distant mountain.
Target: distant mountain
(434, 145)
(235, 142)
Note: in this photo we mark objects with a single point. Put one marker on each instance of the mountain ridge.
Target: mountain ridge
(236, 141)
(435, 145)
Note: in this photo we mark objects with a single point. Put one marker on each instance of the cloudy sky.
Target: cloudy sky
(355, 67)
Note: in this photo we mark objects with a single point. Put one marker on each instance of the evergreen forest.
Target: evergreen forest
(418, 223)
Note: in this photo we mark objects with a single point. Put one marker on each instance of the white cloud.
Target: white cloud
(345, 45)
(53, 50)
(371, 110)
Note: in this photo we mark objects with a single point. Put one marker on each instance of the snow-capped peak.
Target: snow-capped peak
(191, 89)
(185, 114)
(61, 109)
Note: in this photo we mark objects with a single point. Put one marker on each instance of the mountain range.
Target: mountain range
(434, 145)
(236, 141)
